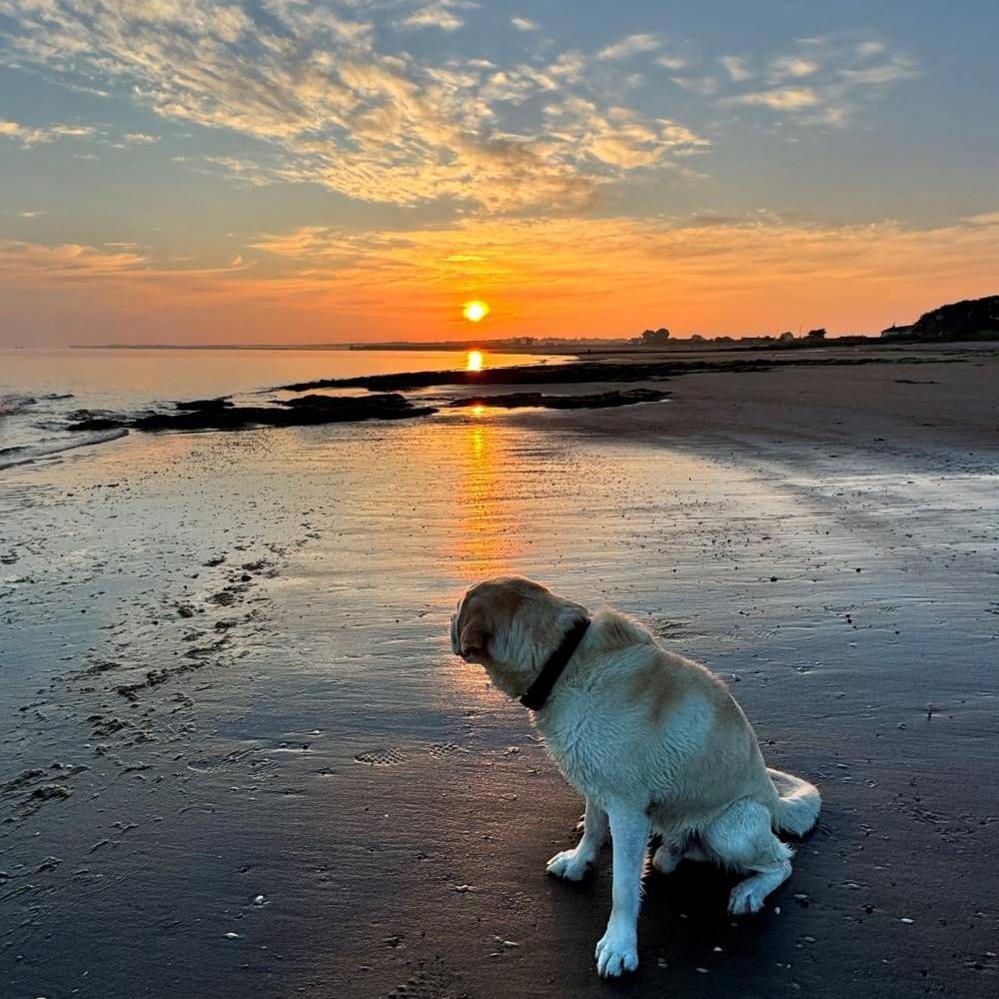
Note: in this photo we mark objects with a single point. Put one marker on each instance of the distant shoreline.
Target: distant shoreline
(498, 348)
(567, 347)
(577, 348)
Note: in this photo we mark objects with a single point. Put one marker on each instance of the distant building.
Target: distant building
(893, 331)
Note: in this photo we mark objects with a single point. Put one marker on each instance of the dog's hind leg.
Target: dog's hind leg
(573, 864)
(667, 858)
(742, 838)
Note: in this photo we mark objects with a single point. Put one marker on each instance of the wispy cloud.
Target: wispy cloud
(703, 86)
(785, 99)
(139, 139)
(630, 46)
(737, 68)
(31, 263)
(794, 67)
(31, 135)
(825, 82)
(327, 107)
(870, 48)
(671, 62)
(524, 24)
(438, 15)
(896, 69)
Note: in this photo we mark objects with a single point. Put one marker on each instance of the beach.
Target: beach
(239, 754)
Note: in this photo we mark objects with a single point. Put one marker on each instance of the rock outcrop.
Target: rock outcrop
(972, 319)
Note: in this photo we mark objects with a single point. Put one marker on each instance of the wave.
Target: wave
(10, 405)
(27, 453)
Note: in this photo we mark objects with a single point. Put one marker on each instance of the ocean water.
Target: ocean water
(39, 389)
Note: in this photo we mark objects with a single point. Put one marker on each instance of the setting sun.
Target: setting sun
(475, 311)
(474, 362)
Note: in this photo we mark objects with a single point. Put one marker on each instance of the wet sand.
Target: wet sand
(239, 755)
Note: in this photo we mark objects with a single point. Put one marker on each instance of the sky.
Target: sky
(306, 171)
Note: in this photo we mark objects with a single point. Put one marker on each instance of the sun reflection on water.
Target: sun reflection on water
(481, 539)
(474, 361)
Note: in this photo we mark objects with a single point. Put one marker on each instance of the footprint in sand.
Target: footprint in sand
(390, 757)
(434, 980)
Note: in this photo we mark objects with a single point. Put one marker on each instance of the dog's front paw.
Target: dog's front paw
(616, 953)
(746, 899)
(569, 865)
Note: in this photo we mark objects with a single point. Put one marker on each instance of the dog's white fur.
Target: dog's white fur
(654, 741)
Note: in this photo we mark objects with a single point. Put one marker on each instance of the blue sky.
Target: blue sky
(207, 167)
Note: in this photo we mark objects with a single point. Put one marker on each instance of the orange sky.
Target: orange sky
(304, 171)
(559, 277)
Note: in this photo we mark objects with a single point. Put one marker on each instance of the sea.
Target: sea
(40, 389)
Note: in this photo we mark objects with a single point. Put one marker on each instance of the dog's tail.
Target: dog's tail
(797, 808)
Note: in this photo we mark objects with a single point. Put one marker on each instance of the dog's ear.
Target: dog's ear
(473, 639)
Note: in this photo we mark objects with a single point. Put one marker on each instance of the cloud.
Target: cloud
(825, 83)
(319, 103)
(897, 69)
(987, 218)
(30, 135)
(703, 86)
(620, 137)
(870, 48)
(139, 139)
(785, 99)
(523, 24)
(308, 20)
(435, 16)
(629, 46)
(671, 62)
(736, 68)
(794, 67)
(28, 264)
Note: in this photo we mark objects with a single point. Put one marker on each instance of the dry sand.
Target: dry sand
(240, 758)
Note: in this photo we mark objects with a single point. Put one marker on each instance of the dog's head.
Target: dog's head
(511, 625)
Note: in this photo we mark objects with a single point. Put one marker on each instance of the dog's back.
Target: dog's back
(636, 720)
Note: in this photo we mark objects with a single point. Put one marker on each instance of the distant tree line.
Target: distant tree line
(652, 337)
(656, 338)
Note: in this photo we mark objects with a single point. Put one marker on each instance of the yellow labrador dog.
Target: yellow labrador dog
(654, 741)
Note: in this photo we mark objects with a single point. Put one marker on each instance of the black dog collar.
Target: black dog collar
(538, 692)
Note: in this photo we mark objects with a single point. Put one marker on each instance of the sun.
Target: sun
(475, 311)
